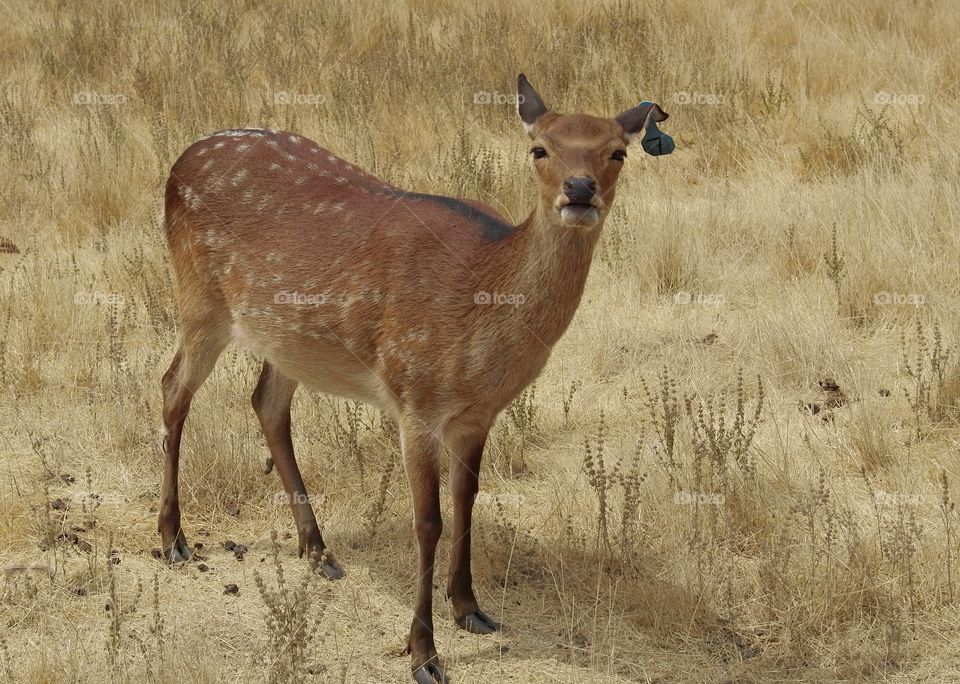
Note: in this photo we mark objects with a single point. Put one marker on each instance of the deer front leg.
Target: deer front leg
(421, 452)
(465, 460)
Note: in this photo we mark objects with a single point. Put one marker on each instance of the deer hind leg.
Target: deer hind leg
(421, 456)
(465, 456)
(199, 350)
(271, 401)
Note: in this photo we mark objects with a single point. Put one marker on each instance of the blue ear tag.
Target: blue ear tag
(655, 141)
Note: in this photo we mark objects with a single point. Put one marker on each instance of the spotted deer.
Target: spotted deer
(435, 309)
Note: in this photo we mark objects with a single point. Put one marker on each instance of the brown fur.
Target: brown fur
(388, 314)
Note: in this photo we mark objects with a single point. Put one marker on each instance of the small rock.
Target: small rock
(883, 392)
(710, 339)
(231, 589)
(202, 567)
(68, 537)
(58, 505)
(239, 551)
(835, 396)
(229, 545)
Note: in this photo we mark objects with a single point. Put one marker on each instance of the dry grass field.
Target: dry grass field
(740, 464)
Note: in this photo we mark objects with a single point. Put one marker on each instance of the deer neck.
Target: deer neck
(545, 264)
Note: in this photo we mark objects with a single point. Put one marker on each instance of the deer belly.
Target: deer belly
(317, 357)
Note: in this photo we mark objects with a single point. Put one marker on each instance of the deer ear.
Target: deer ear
(645, 117)
(634, 119)
(529, 105)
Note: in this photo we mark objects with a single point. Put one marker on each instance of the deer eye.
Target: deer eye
(619, 155)
(538, 152)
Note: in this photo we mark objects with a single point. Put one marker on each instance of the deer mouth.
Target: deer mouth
(574, 213)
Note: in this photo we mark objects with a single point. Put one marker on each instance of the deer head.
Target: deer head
(578, 157)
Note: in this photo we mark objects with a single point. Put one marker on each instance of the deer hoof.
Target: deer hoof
(479, 622)
(431, 673)
(179, 551)
(332, 570)
(327, 564)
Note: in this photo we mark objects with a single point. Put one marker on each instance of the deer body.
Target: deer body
(434, 309)
(384, 311)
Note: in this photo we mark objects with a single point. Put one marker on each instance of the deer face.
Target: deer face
(578, 157)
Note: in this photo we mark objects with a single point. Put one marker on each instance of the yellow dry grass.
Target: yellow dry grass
(805, 228)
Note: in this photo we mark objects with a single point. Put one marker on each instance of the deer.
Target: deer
(434, 309)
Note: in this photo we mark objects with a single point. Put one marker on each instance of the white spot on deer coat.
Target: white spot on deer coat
(236, 133)
(189, 196)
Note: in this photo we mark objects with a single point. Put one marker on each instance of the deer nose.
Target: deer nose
(579, 190)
